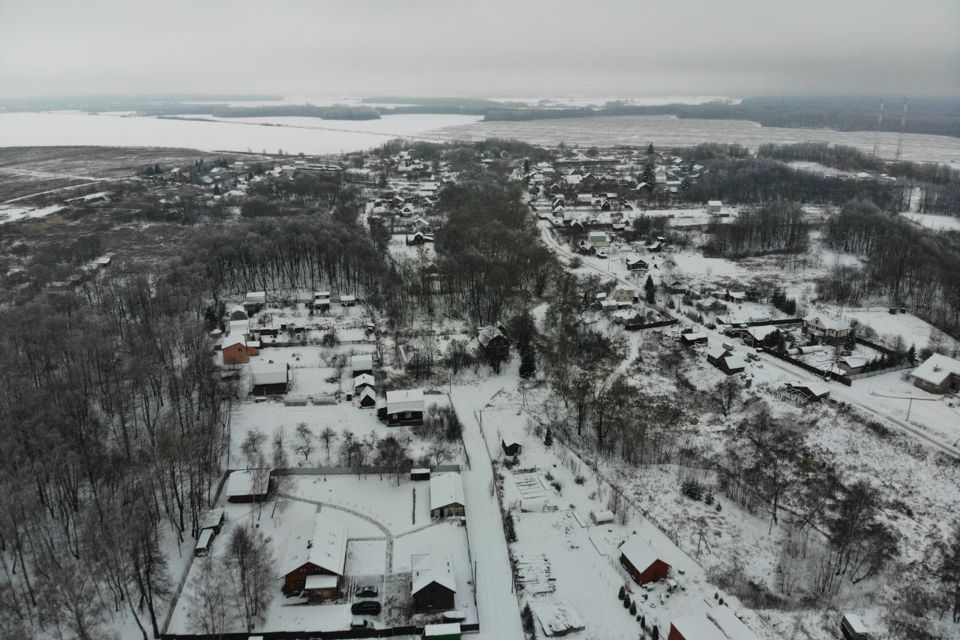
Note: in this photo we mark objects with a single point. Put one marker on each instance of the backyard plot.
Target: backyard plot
(384, 528)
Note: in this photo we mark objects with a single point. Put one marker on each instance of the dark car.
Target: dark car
(367, 591)
(366, 608)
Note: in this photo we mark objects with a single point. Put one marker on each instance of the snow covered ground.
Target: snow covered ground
(13, 213)
(324, 137)
(935, 222)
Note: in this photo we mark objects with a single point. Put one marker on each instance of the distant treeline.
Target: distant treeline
(760, 180)
(334, 112)
(939, 116)
(734, 175)
(852, 159)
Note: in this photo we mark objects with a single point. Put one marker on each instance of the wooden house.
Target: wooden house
(433, 586)
(937, 374)
(315, 558)
(511, 441)
(366, 398)
(234, 350)
(403, 407)
(446, 495)
(642, 561)
(270, 378)
(830, 330)
(726, 360)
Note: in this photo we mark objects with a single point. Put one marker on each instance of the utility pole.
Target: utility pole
(876, 137)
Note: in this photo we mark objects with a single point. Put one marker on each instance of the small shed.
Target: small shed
(852, 627)
(445, 631)
(367, 398)
(204, 541)
(511, 441)
(248, 485)
(602, 517)
(420, 474)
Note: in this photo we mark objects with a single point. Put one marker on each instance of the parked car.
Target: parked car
(366, 608)
(366, 591)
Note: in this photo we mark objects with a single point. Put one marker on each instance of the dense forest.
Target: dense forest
(775, 228)
(902, 263)
(112, 421)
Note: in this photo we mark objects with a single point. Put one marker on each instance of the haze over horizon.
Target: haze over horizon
(736, 48)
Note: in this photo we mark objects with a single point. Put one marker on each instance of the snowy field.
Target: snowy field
(669, 131)
(323, 137)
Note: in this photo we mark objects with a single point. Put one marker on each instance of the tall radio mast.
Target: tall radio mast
(876, 136)
(903, 126)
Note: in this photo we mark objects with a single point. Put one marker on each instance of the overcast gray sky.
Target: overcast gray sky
(482, 47)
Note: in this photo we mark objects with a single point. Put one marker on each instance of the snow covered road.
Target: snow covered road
(496, 603)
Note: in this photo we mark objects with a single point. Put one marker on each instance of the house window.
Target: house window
(408, 414)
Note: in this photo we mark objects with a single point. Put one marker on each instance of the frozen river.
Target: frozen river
(293, 135)
(669, 131)
(316, 136)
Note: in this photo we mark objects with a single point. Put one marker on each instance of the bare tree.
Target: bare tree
(304, 441)
(327, 436)
(250, 568)
(208, 599)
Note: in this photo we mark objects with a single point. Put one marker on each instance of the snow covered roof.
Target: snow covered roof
(366, 392)
(269, 373)
(697, 627)
(828, 323)
(321, 541)
(640, 553)
(716, 352)
(231, 340)
(441, 630)
(854, 362)
(936, 369)
(404, 400)
(320, 581)
(511, 436)
(361, 362)
(735, 361)
(238, 327)
(714, 203)
(445, 489)
(428, 568)
(364, 378)
(816, 388)
(248, 482)
(728, 623)
(256, 297)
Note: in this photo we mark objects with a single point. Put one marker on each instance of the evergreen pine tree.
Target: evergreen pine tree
(912, 355)
(528, 362)
(548, 438)
(650, 149)
(651, 289)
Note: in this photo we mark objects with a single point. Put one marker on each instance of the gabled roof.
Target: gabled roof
(429, 568)
(364, 378)
(640, 553)
(320, 541)
(936, 369)
(256, 297)
(269, 373)
(366, 392)
(829, 323)
(231, 340)
(488, 334)
(445, 489)
(404, 400)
